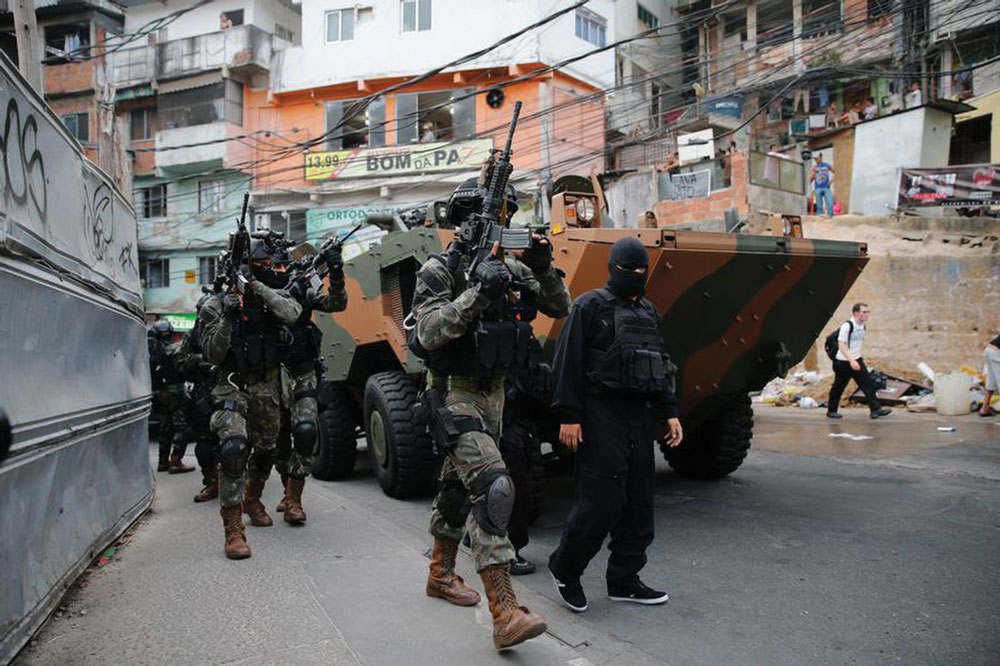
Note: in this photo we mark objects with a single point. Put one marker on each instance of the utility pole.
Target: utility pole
(29, 58)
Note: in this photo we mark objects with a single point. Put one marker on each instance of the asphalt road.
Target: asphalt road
(877, 548)
(819, 550)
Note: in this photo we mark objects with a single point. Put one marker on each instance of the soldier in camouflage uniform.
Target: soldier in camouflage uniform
(476, 491)
(302, 360)
(244, 336)
(168, 398)
(201, 375)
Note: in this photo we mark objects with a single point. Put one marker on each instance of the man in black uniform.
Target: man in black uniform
(612, 396)
(168, 398)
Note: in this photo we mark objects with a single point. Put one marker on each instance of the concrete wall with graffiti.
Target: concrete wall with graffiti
(74, 370)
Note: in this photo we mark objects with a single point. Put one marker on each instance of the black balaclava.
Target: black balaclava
(628, 253)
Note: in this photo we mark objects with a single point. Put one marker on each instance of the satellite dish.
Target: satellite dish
(494, 98)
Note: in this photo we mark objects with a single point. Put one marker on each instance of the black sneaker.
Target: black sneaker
(834, 415)
(571, 593)
(637, 593)
(885, 411)
(521, 567)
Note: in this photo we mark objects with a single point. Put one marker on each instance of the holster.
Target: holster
(444, 427)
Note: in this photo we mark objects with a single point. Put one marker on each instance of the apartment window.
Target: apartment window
(365, 127)
(654, 104)
(281, 32)
(647, 17)
(435, 116)
(78, 125)
(416, 15)
(206, 270)
(735, 24)
(155, 274)
(230, 19)
(290, 223)
(199, 106)
(775, 25)
(154, 201)
(340, 25)
(142, 123)
(211, 196)
(590, 27)
(820, 17)
(879, 8)
(66, 41)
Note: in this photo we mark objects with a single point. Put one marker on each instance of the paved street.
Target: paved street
(819, 550)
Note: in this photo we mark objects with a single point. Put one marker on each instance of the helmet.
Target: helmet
(265, 251)
(162, 329)
(201, 302)
(468, 199)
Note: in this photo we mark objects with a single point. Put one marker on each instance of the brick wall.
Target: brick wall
(68, 77)
(711, 208)
(144, 163)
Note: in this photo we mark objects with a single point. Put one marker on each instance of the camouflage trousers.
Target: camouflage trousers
(299, 406)
(174, 432)
(474, 454)
(254, 414)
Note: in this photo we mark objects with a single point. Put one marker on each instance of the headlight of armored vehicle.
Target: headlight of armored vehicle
(585, 209)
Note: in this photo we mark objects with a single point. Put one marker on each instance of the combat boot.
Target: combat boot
(284, 484)
(294, 513)
(512, 624)
(164, 463)
(177, 465)
(210, 478)
(253, 507)
(442, 581)
(236, 537)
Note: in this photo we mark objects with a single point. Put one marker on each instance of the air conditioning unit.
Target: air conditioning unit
(798, 126)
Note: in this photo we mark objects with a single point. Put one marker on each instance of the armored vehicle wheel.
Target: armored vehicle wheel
(718, 446)
(337, 447)
(400, 452)
(521, 448)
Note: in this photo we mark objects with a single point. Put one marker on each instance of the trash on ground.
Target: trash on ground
(847, 435)
(921, 403)
(926, 369)
(106, 556)
(946, 428)
(806, 402)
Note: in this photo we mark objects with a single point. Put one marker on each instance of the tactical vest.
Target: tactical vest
(634, 362)
(257, 341)
(164, 370)
(304, 348)
(488, 348)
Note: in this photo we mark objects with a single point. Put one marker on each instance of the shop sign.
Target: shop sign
(398, 160)
(181, 321)
(322, 222)
(968, 185)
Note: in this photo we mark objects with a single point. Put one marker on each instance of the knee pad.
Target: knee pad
(453, 503)
(233, 457)
(304, 437)
(494, 493)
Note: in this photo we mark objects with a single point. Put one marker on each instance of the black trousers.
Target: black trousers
(614, 492)
(843, 374)
(515, 449)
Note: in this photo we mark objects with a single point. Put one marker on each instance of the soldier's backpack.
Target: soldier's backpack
(831, 340)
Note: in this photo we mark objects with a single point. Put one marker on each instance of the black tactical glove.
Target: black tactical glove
(206, 370)
(295, 290)
(538, 257)
(231, 304)
(493, 277)
(334, 260)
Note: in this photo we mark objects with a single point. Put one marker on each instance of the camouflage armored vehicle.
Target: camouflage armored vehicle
(738, 309)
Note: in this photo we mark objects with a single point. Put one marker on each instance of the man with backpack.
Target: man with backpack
(848, 364)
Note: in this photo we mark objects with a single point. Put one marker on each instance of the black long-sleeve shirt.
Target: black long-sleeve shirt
(590, 329)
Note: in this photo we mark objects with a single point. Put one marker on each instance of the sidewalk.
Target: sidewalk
(345, 589)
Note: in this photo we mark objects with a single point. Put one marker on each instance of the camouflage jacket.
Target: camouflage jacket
(218, 327)
(443, 316)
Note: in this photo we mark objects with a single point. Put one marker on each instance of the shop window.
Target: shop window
(142, 123)
(206, 269)
(78, 125)
(211, 196)
(65, 41)
(154, 201)
(591, 27)
(428, 117)
(340, 25)
(155, 274)
(364, 128)
(416, 15)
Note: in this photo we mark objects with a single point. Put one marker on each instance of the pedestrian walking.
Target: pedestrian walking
(849, 364)
(612, 396)
(992, 354)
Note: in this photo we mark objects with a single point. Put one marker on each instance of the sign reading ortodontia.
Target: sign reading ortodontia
(398, 160)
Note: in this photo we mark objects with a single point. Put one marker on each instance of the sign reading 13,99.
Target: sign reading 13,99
(398, 160)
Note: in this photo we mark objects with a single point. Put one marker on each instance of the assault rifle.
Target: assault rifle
(239, 248)
(486, 227)
(311, 270)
